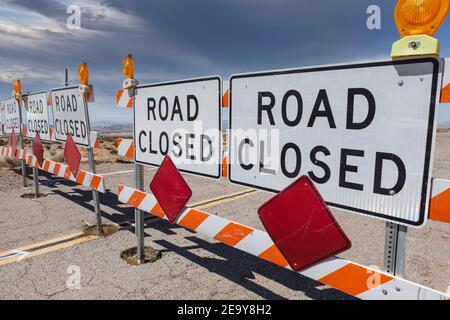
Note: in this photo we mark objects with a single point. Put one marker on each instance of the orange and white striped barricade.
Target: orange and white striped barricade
(95, 140)
(124, 99)
(445, 92)
(225, 131)
(440, 201)
(125, 148)
(84, 178)
(346, 276)
(6, 151)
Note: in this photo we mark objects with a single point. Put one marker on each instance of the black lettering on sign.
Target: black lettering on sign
(401, 178)
(163, 104)
(176, 109)
(351, 124)
(266, 107)
(345, 167)
(192, 113)
(299, 108)
(189, 146)
(244, 142)
(322, 99)
(297, 160)
(164, 143)
(141, 146)
(208, 140)
(326, 169)
(177, 145)
(151, 105)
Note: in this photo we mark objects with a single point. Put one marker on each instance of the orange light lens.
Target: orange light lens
(128, 67)
(420, 12)
(420, 16)
(83, 73)
(17, 88)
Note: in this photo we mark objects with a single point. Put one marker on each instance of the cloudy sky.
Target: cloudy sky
(186, 38)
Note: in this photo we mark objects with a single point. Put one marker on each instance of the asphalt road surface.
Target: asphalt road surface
(43, 253)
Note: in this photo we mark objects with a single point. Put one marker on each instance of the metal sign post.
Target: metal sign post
(35, 178)
(22, 146)
(90, 151)
(395, 249)
(95, 194)
(139, 214)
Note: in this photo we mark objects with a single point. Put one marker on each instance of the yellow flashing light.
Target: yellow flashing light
(415, 17)
(128, 67)
(83, 74)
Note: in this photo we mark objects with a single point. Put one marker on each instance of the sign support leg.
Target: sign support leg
(35, 179)
(95, 194)
(22, 146)
(139, 215)
(395, 249)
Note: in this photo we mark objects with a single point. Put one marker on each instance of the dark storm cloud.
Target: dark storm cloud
(190, 38)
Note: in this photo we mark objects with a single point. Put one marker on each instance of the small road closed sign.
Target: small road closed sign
(37, 116)
(11, 116)
(364, 133)
(180, 119)
(70, 115)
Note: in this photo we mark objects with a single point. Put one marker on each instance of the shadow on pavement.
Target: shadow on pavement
(236, 266)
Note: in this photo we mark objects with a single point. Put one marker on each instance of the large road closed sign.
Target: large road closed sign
(70, 115)
(180, 119)
(37, 116)
(11, 116)
(364, 133)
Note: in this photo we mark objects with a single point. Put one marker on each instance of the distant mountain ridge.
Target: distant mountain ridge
(113, 128)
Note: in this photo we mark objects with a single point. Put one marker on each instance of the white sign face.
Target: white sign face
(11, 119)
(37, 116)
(69, 115)
(180, 119)
(363, 133)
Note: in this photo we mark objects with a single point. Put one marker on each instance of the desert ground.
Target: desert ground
(192, 266)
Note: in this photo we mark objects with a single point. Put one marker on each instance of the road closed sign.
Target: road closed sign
(70, 115)
(364, 133)
(11, 116)
(180, 119)
(37, 116)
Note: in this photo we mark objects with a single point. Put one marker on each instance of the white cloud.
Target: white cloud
(11, 73)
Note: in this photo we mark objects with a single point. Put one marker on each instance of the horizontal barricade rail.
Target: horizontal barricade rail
(346, 276)
(85, 178)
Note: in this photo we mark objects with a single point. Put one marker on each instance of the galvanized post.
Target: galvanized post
(66, 77)
(395, 249)
(139, 215)
(35, 178)
(90, 150)
(95, 194)
(22, 146)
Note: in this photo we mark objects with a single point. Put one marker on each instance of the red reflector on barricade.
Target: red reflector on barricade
(301, 225)
(72, 155)
(38, 150)
(170, 189)
(13, 142)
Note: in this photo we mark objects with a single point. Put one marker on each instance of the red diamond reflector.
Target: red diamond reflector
(38, 150)
(72, 155)
(13, 142)
(170, 189)
(301, 225)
